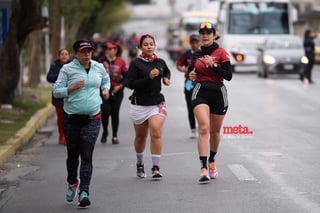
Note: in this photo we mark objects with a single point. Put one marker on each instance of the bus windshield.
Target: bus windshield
(258, 18)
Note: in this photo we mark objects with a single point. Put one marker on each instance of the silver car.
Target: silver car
(282, 55)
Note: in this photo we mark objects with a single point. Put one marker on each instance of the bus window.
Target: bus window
(254, 18)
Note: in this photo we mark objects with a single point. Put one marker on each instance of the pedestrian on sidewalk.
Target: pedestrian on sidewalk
(117, 69)
(183, 66)
(80, 82)
(148, 110)
(209, 98)
(52, 75)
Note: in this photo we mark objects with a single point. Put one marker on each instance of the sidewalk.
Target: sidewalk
(23, 135)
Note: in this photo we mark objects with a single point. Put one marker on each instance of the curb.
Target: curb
(10, 147)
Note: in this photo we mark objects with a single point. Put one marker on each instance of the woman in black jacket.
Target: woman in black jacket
(148, 110)
(52, 76)
(309, 48)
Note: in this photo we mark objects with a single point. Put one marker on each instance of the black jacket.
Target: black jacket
(146, 91)
(52, 77)
(309, 47)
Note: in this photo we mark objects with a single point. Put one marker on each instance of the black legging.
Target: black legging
(192, 120)
(111, 107)
(81, 140)
(308, 69)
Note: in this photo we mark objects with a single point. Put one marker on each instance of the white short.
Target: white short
(140, 114)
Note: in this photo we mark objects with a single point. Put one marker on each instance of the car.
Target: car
(317, 50)
(283, 54)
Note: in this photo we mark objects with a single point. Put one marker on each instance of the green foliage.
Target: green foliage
(12, 120)
(111, 16)
(94, 15)
(78, 10)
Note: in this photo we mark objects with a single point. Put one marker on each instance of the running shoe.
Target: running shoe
(104, 137)
(140, 171)
(156, 174)
(194, 134)
(213, 172)
(83, 199)
(204, 176)
(115, 140)
(72, 191)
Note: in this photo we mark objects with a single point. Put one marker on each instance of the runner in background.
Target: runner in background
(116, 66)
(98, 45)
(182, 65)
(64, 57)
(132, 46)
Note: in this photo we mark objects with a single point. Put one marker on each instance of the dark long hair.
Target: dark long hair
(144, 36)
(306, 34)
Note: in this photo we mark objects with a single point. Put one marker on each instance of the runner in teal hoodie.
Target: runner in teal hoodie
(80, 83)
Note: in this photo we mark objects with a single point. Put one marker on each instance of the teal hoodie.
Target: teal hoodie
(87, 100)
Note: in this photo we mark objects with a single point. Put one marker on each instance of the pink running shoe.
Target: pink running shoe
(213, 172)
(204, 176)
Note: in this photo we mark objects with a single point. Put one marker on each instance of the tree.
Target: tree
(82, 18)
(22, 22)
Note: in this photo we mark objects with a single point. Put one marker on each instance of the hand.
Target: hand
(154, 73)
(116, 89)
(166, 81)
(105, 94)
(208, 60)
(185, 69)
(77, 85)
(193, 75)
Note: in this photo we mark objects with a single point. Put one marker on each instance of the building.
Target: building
(308, 15)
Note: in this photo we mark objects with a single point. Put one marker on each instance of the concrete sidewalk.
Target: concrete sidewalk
(23, 135)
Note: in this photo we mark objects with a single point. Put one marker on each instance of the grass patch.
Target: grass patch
(23, 107)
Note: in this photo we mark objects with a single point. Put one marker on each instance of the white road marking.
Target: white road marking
(241, 172)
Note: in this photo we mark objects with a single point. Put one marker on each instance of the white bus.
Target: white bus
(244, 25)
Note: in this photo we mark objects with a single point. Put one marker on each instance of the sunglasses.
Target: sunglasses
(207, 25)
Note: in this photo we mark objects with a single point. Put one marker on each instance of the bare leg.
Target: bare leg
(202, 114)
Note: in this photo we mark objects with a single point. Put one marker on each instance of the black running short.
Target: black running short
(212, 94)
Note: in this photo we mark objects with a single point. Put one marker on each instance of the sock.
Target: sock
(203, 162)
(156, 160)
(212, 155)
(140, 158)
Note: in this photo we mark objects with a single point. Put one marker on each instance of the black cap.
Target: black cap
(82, 44)
(194, 37)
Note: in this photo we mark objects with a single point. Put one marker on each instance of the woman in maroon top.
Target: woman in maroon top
(116, 66)
(209, 97)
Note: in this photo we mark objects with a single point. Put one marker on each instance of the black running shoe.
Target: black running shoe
(140, 171)
(156, 174)
(83, 199)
